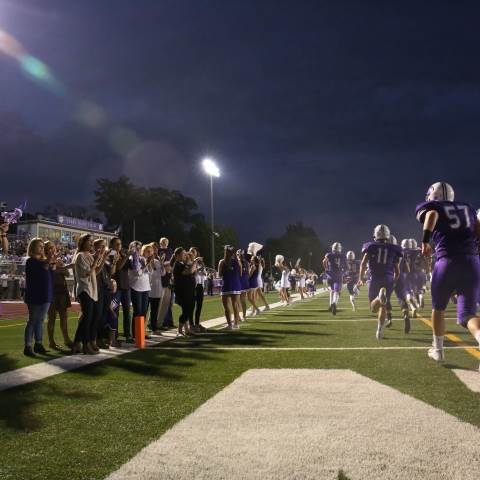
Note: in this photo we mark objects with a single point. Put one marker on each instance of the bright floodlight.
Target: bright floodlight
(210, 167)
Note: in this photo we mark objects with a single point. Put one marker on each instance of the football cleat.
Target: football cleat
(334, 308)
(440, 191)
(436, 354)
(382, 296)
(381, 232)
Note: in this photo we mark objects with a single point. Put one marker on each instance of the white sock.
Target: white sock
(477, 337)
(335, 297)
(331, 297)
(352, 299)
(438, 342)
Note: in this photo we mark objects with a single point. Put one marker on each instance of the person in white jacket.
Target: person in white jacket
(156, 272)
(141, 260)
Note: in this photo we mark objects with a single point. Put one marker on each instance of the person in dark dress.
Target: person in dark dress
(184, 286)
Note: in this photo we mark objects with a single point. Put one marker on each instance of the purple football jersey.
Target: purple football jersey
(352, 270)
(454, 233)
(382, 257)
(337, 263)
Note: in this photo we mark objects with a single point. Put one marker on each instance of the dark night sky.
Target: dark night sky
(339, 114)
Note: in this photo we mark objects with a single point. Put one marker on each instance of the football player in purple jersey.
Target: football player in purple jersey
(351, 277)
(383, 260)
(335, 263)
(454, 228)
(400, 290)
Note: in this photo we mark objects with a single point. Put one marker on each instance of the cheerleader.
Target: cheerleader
(244, 281)
(281, 264)
(259, 292)
(302, 277)
(253, 283)
(230, 270)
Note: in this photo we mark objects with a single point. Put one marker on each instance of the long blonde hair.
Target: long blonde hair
(31, 247)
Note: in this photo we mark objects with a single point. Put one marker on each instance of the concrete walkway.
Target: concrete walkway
(42, 370)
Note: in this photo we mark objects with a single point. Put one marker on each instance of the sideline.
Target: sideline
(42, 370)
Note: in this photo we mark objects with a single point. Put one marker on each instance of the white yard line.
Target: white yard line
(470, 378)
(310, 424)
(42, 370)
(201, 347)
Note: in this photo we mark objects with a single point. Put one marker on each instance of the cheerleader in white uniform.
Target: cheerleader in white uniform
(302, 277)
(284, 282)
(261, 267)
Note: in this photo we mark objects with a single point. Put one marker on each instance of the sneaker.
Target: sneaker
(28, 352)
(202, 329)
(267, 308)
(388, 323)
(334, 308)
(407, 327)
(258, 311)
(382, 296)
(39, 348)
(436, 354)
(229, 326)
(379, 333)
(236, 326)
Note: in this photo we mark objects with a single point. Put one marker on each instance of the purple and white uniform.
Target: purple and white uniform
(231, 278)
(382, 258)
(457, 266)
(401, 284)
(337, 263)
(351, 275)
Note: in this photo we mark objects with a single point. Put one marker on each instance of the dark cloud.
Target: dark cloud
(339, 113)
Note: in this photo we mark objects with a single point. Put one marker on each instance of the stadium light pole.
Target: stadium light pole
(211, 169)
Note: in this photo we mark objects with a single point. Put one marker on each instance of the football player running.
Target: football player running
(382, 258)
(351, 277)
(334, 264)
(454, 228)
(400, 290)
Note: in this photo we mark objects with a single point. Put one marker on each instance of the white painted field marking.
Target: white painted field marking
(471, 379)
(310, 424)
(201, 347)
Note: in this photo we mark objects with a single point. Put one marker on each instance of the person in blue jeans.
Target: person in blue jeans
(38, 292)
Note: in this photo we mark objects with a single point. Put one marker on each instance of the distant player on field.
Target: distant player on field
(335, 263)
(382, 258)
(454, 229)
(351, 277)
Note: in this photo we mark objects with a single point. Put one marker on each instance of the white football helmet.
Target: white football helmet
(337, 247)
(393, 239)
(440, 191)
(405, 243)
(381, 232)
(350, 255)
(413, 243)
(279, 260)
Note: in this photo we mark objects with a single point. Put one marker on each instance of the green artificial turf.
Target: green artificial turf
(86, 423)
(11, 334)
